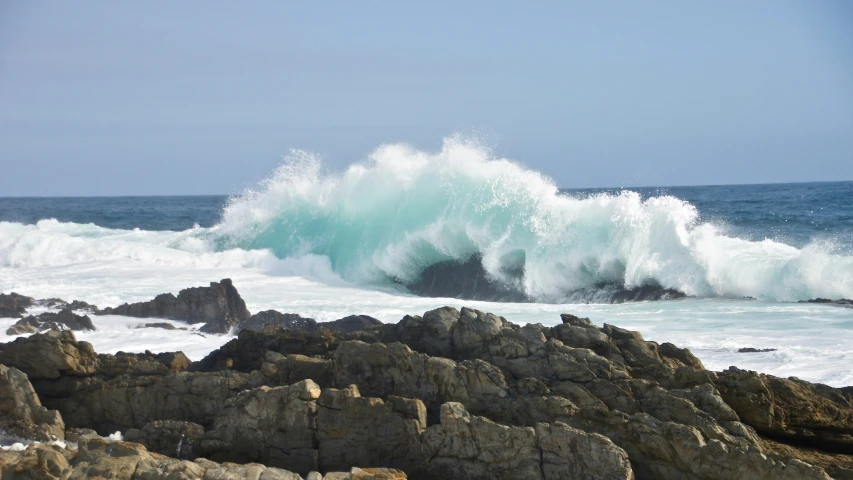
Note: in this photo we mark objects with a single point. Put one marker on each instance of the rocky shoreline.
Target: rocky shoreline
(450, 394)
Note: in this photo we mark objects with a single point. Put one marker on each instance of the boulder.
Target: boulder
(218, 306)
(22, 414)
(49, 355)
(801, 412)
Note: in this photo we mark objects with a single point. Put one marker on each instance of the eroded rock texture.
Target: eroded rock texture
(450, 394)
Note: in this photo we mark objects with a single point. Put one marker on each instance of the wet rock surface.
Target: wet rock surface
(469, 280)
(450, 394)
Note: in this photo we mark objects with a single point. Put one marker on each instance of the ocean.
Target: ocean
(326, 245)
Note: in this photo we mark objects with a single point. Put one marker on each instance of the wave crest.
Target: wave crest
(403, 211)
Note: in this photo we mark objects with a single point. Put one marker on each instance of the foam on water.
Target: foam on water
(329, 245)
(403, 210)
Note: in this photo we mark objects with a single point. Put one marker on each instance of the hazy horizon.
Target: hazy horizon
(112, 99)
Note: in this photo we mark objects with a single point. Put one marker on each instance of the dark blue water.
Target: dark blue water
(796, 214)
(126, 213)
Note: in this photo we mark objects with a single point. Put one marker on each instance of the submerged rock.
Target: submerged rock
(218, 306)
(755, 350)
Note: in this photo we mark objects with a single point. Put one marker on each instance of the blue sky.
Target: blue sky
(112, 98)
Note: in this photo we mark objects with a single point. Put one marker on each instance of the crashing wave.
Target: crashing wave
(461, 223)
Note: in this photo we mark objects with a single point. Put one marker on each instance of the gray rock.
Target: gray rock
(218, 306)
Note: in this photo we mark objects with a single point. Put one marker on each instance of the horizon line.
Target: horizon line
(171, 195)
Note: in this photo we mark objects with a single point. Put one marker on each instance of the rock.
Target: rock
(755, 350)
(572, 453)
(218, 306)
(381, 370)
(353, 430)
(466, 279)
(376, 474)
(97, 458)
(37, 461)
(503, 401)
(430, 334)
(464, 446)
(14, 305)
(169, 437)
(22, 414)
(619, 293)
(52, 321)
(163, 325)
(841, 302)
(352, 323)
(276, 426)
(29, 325)
(49, 355)
(246, 352)
(62, 304)
(259, 321)
(301, 428)
(809, 414)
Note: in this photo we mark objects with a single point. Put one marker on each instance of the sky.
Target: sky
(206, 97)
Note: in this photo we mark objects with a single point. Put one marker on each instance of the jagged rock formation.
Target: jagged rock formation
(22, 414)
(13, 305)
(218, 306)
(65, 318)
(450, 394)
(790, 410)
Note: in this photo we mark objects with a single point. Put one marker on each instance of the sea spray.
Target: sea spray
(402, 212)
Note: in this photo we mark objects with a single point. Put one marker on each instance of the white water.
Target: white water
(325, 246)
(815, 342)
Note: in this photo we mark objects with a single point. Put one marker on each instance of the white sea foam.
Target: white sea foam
(325, 246)
(402, 210)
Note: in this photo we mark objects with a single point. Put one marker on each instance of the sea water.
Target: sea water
(326, 245)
